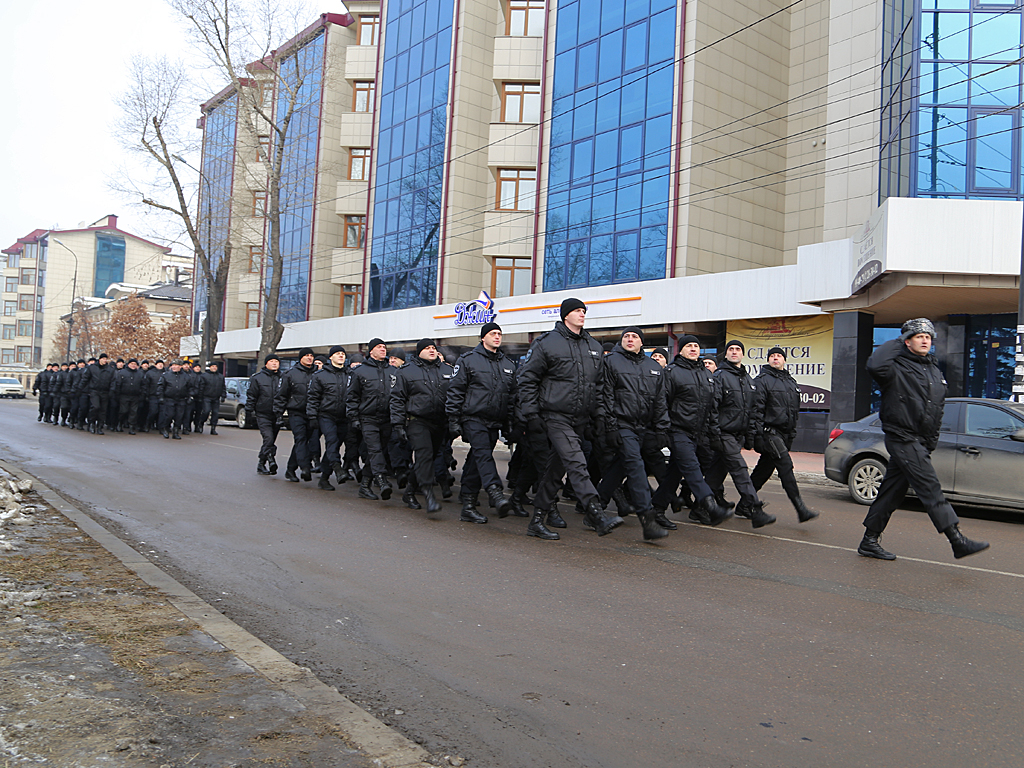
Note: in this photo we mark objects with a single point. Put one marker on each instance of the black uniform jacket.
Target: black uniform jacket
(421, 391)
(263, 388)
(98, 378)
(483, 387)
(689, 391)
(153, 376)
(174, 386)
(913, 393)
(561, 374)
(732, 409)
(369, 390)
(129, 383)
(631, 392)
(778, 401)
(213, 385)
(292, 394)
(328, 391)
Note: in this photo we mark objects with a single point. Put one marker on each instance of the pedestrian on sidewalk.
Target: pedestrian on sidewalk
(913, 396)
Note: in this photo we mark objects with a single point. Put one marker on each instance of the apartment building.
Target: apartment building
(809, 171)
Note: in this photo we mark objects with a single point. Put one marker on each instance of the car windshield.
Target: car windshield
(8, 381)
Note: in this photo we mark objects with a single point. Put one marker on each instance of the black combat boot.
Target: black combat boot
(554, 519)
(516, 508)
(699, 514)
(445, 481)
(324, 484)
(803, 512)
(261, 467)
(716, 514)
(99, 429)
(199, 429)
(758, 517)
(469, 513)
(622, 503)
(723, 502)
(652, 528)
(383, 486)
(305, 474)
(213, 430)
(131, 430)
(365, 491)
(664, 522)
(962, 546)
(272, 466)
(290, 476)
(433, 505)
(536, 527)
(165, 433)
(869, 547)
(596, 519)
(176, 434)
(409, 498)
(497, 500)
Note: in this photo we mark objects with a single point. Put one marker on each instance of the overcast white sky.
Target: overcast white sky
(66, 62)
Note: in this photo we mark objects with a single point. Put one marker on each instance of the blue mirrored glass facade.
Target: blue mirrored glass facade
(215, 186)
(955, 132)
(302, 76)
(408, 177)
(611, 130)
(110, 253)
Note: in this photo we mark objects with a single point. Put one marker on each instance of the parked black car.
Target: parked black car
(979, 459)
(232, 408)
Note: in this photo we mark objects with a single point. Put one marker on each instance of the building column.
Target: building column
(852, 341)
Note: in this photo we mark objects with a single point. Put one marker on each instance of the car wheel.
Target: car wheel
(865, 479)
(240, 418)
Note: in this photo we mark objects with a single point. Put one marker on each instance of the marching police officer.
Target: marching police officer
(778, 407)
(558, 387)
(418, 416)
(214, 392)
(732, 427)
(98, 385)
(153, 412)
(479, 404)
(129, 386)
(173, 390)
(259, 406)
(291, 397)
(369, 409)
(326, 405)
(913, 396)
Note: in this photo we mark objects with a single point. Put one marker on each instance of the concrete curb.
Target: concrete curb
(382, 744)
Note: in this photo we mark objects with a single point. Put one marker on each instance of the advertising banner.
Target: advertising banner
(808, 345)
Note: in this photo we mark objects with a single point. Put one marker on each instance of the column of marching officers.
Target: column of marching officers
(588, 423)
(96, 394)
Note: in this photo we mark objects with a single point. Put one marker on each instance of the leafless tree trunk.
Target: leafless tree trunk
(155, 109)
(238, 38)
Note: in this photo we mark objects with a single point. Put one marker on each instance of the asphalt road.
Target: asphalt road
(716, 647)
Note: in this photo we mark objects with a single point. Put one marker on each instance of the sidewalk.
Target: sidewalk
(107, 660)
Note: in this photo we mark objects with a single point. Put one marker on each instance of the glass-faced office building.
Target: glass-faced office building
(681, 165)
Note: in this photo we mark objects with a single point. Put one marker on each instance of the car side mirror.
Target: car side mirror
(1018, 436)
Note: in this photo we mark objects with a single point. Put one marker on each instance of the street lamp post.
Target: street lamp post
(207, 330)
(74, 296)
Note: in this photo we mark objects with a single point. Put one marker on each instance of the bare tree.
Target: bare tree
(155, 110)
(238, 39)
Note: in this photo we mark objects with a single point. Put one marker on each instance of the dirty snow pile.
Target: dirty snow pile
(13, 509)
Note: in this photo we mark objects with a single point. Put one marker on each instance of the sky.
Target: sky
(67, 61)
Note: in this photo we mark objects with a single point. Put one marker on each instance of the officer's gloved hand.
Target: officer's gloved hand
(454, 428)
(748, 442)
(399, 430)
(614, 439)
(715, 442)
(535, 423)
(356, 425)
(661, 440)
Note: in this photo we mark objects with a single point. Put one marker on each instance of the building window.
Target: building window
(252, 315)
(11, 285)
(355, 227)
(24, 327)
(39, 303)
(110, 256)
(10, 307)
(12, 261)
(39, 329)
(358, 164)
(25, 302)
(8, 332)
(516, 188)
(510, 277)
(7, 357)
(349, 300)
(42, 278)
(24, 354)
(263, 148)
(520, 102)
(369, 29)
(259, 204)
(364, 91)
(28, 276)
(525, 18)
(255, 258)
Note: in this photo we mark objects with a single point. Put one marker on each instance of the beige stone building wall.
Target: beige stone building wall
(470, 185)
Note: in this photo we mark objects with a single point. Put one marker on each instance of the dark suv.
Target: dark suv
(233, 406)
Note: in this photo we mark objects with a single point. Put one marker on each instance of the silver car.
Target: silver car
(979, 459)
(11, 387)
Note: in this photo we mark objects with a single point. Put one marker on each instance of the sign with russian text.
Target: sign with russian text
(477, 312)
(807, 342)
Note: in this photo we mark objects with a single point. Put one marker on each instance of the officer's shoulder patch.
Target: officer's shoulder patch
(507, 370)
(455, 370)
(394, 379)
